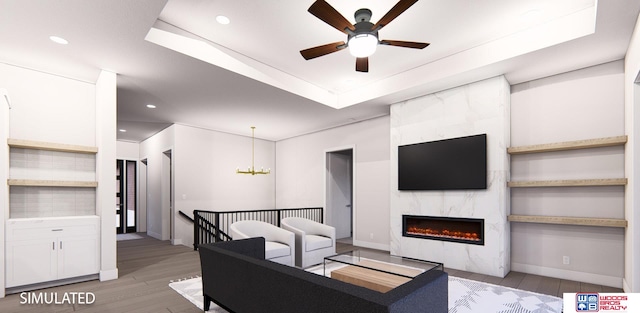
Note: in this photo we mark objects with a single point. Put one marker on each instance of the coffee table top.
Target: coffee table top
(394, 265)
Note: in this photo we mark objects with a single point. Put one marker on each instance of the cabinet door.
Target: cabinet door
(31, 261)
(78, 256)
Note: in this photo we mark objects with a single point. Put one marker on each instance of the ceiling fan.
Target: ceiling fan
(362, 38)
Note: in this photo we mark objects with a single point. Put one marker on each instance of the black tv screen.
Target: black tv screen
(450, 164)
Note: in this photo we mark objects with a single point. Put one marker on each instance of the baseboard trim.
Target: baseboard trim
(597, 279)
(49, 284)
(371, 245)
(625, 286)
(154, 235)
(176, 242)
(109, 274)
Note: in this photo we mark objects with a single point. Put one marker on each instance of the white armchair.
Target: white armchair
(279, 243)
(314, 240)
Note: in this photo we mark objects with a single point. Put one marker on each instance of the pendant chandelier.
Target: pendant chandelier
(251, 170)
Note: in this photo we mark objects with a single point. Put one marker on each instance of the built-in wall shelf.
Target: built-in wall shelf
(564, 146)
(570, 145)
(563, 220)
(51, 179)
(50, 146)
(568, 183)
(51, 183)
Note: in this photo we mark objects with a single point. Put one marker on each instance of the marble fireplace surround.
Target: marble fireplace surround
(477, 108)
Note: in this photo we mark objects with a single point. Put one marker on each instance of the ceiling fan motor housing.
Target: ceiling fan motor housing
(362, 25)
(363, 15)
(361, 29)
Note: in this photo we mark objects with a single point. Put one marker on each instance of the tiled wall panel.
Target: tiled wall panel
(34, 164)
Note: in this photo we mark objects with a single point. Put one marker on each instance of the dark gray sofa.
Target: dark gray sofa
(236, 276)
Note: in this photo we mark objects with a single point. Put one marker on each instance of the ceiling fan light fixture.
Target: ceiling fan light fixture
(363, 45)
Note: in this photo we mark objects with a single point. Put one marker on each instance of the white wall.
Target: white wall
(204, 164)
(49, 108)
(478, 108)
(126, 150)
(205, 177)
(631, 281)
(152, 150)
(106, 172)
(583, 104)
(4, 188)
(301, 174)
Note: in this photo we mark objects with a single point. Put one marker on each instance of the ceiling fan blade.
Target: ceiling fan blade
(397, 9)
(405, 44)
(319, 51)
(324, 11)
(362, 64)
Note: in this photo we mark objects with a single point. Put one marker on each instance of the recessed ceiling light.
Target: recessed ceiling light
(59, 40)
(151, 106)
(223, 19)
(123, 130)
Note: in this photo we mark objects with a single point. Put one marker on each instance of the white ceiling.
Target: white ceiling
(229, 77)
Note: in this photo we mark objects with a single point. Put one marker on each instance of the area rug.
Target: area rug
(464, 296)
(473, 296)
(130, 236)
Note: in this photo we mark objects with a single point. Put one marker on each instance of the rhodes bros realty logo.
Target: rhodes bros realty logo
(57, 298)
(601, 302)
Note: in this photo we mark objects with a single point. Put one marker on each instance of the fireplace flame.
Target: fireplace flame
(443, 233)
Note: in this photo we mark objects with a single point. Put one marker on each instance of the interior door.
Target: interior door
(131, 201)
(339, 192)
(126, 196)
(120, 215)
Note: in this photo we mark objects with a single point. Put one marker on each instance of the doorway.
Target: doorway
(142, 201)
(339, 202)
(167, 196)
(126, 196)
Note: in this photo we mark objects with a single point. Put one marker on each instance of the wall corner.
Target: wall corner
(106, 108)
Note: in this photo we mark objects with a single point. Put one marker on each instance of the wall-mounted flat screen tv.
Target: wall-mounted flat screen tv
(450, 164)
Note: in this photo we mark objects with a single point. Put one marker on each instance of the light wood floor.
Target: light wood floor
(146, 266)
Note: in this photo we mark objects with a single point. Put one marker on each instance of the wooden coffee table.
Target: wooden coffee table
(377, 275)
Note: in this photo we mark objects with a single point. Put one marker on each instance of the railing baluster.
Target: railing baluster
(213, 226)
(195, 230)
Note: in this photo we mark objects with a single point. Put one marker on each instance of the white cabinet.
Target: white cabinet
(78, 256)
(42, 250)
(30, 262)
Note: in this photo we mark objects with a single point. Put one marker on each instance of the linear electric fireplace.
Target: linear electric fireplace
(463, 230)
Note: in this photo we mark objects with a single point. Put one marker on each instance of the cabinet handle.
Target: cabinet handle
(57, 229)
(53, 245)
(60, 245)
